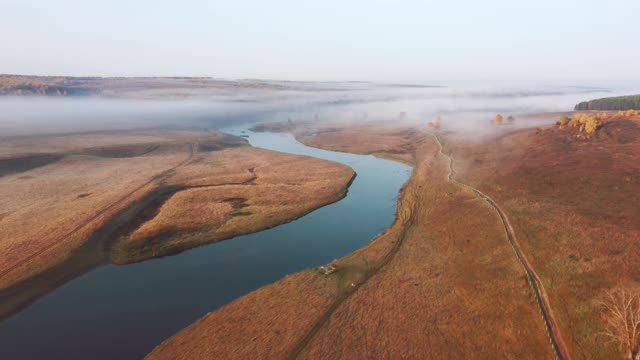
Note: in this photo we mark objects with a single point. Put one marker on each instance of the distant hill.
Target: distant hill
(611, 103)
(143, 87)
(38, 85)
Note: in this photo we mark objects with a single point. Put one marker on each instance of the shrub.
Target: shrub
(577, 117)
(590, 125)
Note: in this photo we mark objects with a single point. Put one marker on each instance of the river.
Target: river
(124, 311)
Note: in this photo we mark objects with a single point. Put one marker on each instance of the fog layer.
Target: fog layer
(460, 107)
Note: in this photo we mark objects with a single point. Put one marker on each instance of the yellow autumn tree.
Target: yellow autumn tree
(564, 120)
(499, 119)
(590, 125)
(584, 118)
(577, 117)
(573, 123)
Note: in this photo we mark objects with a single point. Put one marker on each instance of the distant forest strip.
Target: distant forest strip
(611, 103)
(36, 85)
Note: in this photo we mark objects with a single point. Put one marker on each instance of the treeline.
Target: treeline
(611, 103)
(38, 85)
(33, 89)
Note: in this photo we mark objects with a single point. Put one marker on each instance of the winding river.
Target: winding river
(124, 311)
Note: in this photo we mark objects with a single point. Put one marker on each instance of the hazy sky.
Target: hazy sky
(419, 40)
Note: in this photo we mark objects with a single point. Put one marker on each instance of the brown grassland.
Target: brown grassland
(72, 202)
(232, 192)
(388, 141)
(441, 282)
(573, 202)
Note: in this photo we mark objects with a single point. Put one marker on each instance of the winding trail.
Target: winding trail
(553, 331)
(406, 217)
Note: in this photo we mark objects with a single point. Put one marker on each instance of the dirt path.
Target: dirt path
(405, 216)
(553, 331)
(160, 176)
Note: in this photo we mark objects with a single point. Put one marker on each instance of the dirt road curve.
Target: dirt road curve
(553, 331)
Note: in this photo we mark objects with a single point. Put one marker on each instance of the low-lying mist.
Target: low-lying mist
(464, 108)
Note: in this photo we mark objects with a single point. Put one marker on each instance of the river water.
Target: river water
(124, 311)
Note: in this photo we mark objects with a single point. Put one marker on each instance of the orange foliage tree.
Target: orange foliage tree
(499, 119)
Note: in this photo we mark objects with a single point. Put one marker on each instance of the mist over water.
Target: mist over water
(460, 106)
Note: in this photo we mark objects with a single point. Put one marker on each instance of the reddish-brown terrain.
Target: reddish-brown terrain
(442, 282)
(573, 201)
(504, 247)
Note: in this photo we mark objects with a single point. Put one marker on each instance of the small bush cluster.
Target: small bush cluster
(587, 123)
(499, 119)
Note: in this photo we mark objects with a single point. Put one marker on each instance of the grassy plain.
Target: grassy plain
(441, 282)
(231, 192)
(573, 202)
(72, 202)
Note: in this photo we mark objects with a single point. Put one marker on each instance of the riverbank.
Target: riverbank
(157, 298)
(506, 245)
(181, 190)
(442, 280)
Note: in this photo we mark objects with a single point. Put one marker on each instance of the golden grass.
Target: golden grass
(237, 191)
(387, 141)
(50, 210)
(442, 282)
(261, 325)
(43, 206)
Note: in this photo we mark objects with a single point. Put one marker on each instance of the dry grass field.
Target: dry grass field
(72, 202)
(388, 141)
(573, 201)
(230, 192)
(441, 282)
(50, 207)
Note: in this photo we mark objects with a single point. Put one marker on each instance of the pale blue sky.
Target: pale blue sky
(576, 40)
